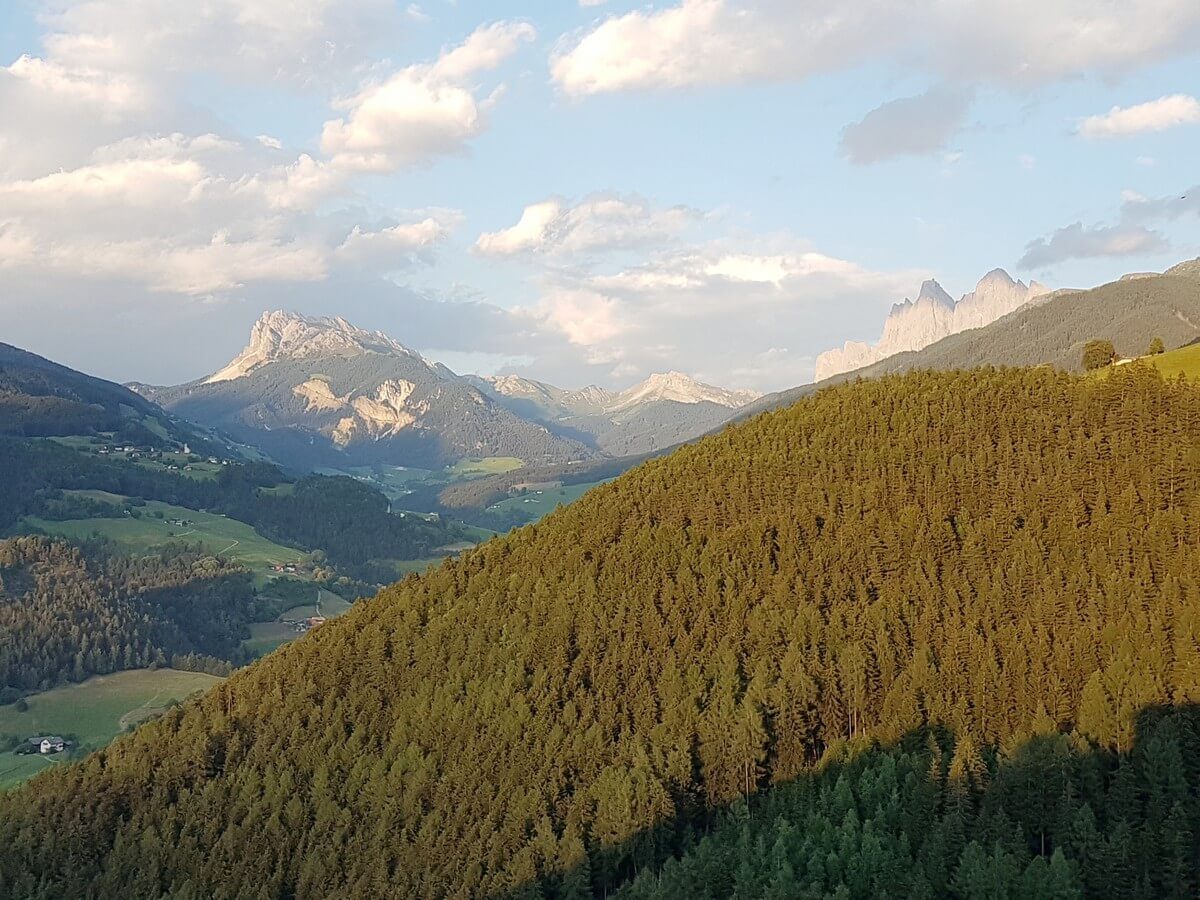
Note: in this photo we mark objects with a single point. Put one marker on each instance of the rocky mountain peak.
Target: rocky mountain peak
(280, 334)
(680, 388)
(913, 325)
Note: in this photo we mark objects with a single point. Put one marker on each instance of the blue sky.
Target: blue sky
(724, 187)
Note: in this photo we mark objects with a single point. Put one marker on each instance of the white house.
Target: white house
(52, 744)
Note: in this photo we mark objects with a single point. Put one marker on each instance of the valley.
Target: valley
(645, 450)
(180, 580)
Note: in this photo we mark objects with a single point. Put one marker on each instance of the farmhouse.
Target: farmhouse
(49, 744)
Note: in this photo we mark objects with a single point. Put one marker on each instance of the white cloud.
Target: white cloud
(422, 111)
(1156, 115)
(393, 247)
(190, 215)
(705, 42)
(1137, 208)
(1080, 242)
(587, 318)
(112, 95)
(601, 222)
(911, 126)
(706, 307)
(288, 39)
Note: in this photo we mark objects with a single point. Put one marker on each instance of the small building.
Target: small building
(51, 744)
(314, 621)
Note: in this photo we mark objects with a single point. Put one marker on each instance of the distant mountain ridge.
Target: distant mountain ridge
(914, 324)
(665, 409)
(321, 392)
(282, 335)
(41, 398)
(1130, 312)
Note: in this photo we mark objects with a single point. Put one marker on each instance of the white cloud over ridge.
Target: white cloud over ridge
(422, 111)
(233, 219)
(1080, 242)
(709, 42)
(1155, 115)
(601, 222)
(705, 306)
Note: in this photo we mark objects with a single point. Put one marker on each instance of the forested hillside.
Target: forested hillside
(39, 398)
(68, 613)
(349, 521)
(841, 640)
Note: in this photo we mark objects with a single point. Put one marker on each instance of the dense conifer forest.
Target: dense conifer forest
(67, 613)
(933, 634)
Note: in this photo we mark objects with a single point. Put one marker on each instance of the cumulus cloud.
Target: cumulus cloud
(1138, 208)
(705, 42)
(1156, 115)
(288, 39)
(705, 308)
(1079, 242)
(112, 94)
(394, 247)
(195, 216)
(600, 222)
(422, 111)
(910, 126)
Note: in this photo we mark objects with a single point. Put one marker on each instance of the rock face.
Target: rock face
(679, 388)
(321, 392)
(283, 335)
(915, 324)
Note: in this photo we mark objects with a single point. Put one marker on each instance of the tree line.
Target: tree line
(68, 612)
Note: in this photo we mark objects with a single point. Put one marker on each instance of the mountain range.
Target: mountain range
(315, 392)
(665, 409)
(914, 324)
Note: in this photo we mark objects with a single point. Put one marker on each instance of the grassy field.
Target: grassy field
(536, 504)
(266, 637)
(93, 712)
(478, 468)
(220, 535)
(1184, 361)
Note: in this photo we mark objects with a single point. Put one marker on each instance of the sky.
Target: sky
(578, 191)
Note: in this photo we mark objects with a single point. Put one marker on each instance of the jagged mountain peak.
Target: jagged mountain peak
(931, 290)
(912, 325)
(280, 334)
(680, 388)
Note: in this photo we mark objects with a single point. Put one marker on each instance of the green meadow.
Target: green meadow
(536, 504)
(1184, 361)
(92, 712)
(218, 534)
(266, 637)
